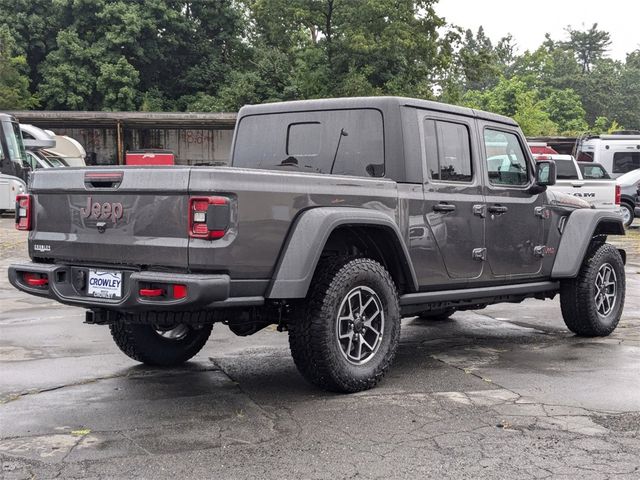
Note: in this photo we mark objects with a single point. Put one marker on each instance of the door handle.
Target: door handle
(444, 207)
(498, 209)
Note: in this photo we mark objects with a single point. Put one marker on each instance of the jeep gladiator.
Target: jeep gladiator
(336, 218)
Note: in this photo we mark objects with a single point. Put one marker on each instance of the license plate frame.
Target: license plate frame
(105, 284)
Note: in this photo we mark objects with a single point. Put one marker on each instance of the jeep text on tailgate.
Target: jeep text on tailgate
(336, 218)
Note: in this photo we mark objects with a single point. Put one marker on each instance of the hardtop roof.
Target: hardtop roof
(381, 103)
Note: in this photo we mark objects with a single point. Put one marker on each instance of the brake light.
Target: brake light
(35, 279)
(23, 212)
(618, 194)
(208, 217)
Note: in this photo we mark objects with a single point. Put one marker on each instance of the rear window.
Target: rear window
(624, 162)
(344, 142)
(593, 172)
(566, 170)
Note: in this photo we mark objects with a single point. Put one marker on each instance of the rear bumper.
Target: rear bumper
(66, 286)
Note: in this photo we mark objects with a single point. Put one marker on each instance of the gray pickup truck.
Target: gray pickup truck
(336, 218)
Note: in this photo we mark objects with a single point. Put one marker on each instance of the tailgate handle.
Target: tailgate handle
(103, 179)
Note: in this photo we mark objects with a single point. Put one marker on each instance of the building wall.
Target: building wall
(190, 146)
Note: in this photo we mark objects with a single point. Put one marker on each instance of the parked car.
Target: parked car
(600, 192)
(629, 185)
(618, 154)
(37, 143)
(336, 218)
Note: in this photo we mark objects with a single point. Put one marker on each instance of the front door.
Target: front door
(514, 225)
(453, 194)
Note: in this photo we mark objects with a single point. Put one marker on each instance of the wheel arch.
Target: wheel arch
(579, 229)
(343, 230)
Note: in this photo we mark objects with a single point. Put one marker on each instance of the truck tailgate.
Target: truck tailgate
(117, 215)
(599, 193)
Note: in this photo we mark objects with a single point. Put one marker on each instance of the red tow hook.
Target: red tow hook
(151, 292)
(35, 279)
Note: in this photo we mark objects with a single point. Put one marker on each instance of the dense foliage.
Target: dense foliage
(218, 55)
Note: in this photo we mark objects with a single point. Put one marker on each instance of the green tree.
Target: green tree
(482, 64)
(117, 84)
(34, 25)
(565, 109)
(14, 83)
(589, 46)
(512, 97)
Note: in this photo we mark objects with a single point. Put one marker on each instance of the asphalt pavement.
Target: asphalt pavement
(505, 392)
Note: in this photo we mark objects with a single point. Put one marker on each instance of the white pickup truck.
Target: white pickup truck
(601, 193)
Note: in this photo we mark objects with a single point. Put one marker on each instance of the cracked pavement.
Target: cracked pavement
(504, 392)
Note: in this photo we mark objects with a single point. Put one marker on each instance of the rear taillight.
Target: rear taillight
(163, 291)
(35, 279)
(618, 194)
(209, 217)
(23, 212)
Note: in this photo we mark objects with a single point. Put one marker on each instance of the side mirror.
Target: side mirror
(545, 173)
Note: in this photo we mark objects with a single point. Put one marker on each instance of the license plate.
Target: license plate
(105, 284)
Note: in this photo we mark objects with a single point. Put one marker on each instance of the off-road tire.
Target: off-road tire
(630, 211)
(141, 342)
(438, 315)
(314, 347)
(577, 295)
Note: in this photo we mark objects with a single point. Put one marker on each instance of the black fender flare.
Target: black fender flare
(307, 238)
(578, 231)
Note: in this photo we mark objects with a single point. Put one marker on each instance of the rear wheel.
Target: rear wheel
(592, 302)
(159, 345)
(627, 214)
(345, 336)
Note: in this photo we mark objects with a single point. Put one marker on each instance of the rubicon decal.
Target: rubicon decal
(102, 211)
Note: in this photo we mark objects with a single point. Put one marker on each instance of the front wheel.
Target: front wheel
(345, 336)
(166, 345)
(592, 302)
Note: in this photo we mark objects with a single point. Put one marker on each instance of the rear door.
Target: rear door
(453, 194)
(130, 216)
(514, 225)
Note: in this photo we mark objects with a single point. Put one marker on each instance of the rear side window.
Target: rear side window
(506, 162)
(343, 142)
(624, 162)
(566, 170)
(448, 151)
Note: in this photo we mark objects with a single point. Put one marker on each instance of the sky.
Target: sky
(528, 21)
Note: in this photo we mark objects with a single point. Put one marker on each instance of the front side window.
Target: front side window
(448, 151)
(624, 162)
(343, 142)
(506, 161)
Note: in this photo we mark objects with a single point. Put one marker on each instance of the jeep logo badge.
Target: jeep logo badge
(102, 211)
